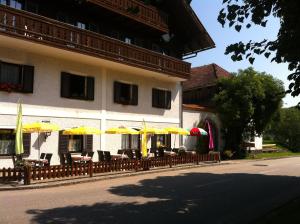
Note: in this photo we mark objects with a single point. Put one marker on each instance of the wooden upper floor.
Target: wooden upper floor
(104, 29)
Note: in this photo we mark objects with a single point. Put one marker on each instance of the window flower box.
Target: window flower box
(8, 87)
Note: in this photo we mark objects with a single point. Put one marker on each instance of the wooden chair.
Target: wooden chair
(138, 154)
(101, 155)
(42, 156)
(90, 154)
(129, 153)
(107, 156)
(48, 157)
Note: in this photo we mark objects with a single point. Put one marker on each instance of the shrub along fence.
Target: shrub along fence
(36, 174)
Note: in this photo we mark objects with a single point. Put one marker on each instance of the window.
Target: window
(32, 7)
(17, 4)
(161, 98)
(77, 87)
(7, 142)
(75, 143)
(161, 141)
(14, 77)
(130, 142)
(80, 25)
(128, 40)
(93, 27)
(126, 94)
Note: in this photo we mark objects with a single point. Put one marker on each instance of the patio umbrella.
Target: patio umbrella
(176, 131)
(83, 130)
(40, 127)
(155, 131)
(197, 132)
(19, 134)
(122, 130)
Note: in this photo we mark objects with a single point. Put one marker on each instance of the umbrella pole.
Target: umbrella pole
(174, 141)
(39, 146)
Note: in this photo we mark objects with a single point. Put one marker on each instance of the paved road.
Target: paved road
(236, 193)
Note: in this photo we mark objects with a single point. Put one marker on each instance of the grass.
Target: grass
(272, 155)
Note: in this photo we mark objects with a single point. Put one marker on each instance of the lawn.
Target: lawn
(272, 155)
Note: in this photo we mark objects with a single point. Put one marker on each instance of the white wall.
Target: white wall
(46, 104)
(191, 119)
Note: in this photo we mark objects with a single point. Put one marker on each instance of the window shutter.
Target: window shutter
(117, 89)
(26, 143)
(135, 95)
(168, 140)
(63, 141)
(28, 79)
(89, 143)
(90, 88)
(65, 85)
(168, 99)
(154, 98)
(154, 142)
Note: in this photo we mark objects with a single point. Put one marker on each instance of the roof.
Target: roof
(188, 27)
(204, 76)
(195, 107)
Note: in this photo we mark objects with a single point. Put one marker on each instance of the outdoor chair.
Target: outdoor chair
(84, 153)
(138, 154)
(176, 150)
(107, 156)
(48, 157)
(90, 154)
(129, 153)
(160, 152)
(42, 156)
(101, 156)
(69, 158)
(181, 152)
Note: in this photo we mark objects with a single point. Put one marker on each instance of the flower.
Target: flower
(9, 87)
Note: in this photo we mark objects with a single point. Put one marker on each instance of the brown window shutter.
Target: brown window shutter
(63, 142)
(117, 92)
(135, 95)
(65, 85)
(168, 140)
(26, 143)
(155, 98)
(168, 100)
(154, 141)
(89, 143)
(28, 79)
(90, 88)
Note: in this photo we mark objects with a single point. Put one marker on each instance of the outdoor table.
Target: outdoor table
(37, 161)
(168, 153)
(80, 158)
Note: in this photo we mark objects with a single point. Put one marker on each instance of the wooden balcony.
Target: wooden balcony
(146, 14)
(35, 28)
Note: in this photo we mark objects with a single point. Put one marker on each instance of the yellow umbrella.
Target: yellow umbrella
(177, 131)
(122, 130)
(83, 130)
(40, 127)
(155, 131)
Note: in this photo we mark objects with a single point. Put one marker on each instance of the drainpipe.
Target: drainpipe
(180, 114)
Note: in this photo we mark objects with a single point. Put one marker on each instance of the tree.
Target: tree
(286, 48)
(285, 129)
(246, 103)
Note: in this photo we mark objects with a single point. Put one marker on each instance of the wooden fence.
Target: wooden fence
(35, 174)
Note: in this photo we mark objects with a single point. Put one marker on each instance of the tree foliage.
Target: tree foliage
(246, 103)
(286, 48)
(285, 129)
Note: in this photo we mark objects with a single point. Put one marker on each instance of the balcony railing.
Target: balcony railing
(28, 26)
(138, 11)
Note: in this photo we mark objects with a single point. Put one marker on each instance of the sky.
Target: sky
(207, 11)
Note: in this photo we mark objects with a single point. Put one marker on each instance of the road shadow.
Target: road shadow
(186, 198)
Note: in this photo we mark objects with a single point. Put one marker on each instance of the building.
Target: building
(97, 63)
(198, 107)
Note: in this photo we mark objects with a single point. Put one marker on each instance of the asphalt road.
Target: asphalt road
(237, 193)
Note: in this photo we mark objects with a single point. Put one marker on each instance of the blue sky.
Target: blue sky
(207, 11)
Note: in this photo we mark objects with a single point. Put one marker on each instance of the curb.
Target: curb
(60, 183)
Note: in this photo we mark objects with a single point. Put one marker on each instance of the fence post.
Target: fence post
(91, 168)
(27, 175)
(170, 161)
